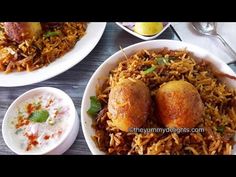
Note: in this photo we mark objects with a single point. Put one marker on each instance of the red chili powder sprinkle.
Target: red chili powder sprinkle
(46, 137)
(30, 108)
(21, 122)
(49, 103)
(32, 141)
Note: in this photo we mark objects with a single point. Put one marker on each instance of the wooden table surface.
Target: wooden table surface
(74, 81)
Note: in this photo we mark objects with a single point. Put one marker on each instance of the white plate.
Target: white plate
(111, 62)
(82, 48)
(141, 36)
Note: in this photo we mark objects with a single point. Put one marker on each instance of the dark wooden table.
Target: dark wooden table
(74, 81)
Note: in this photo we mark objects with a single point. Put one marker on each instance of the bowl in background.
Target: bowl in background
(141, 36)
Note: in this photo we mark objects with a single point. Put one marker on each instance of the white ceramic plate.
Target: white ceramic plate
(111, 62)
(141, 36)
(82, 48)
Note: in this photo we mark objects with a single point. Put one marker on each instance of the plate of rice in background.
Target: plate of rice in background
(161, 97)
(31, 52)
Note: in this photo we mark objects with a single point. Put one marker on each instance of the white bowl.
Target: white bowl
(67, 138)
(141, 36)
(112, 61)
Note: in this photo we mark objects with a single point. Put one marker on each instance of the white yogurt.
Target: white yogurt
(32, 136)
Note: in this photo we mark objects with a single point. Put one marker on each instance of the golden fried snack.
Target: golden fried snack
(179, 105)
(129, 104)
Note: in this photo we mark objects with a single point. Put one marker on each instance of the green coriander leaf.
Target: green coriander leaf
(39, 116)
(149, 70)
(95, 106)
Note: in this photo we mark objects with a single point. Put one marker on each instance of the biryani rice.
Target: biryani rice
(35, 53)
(218, 99)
